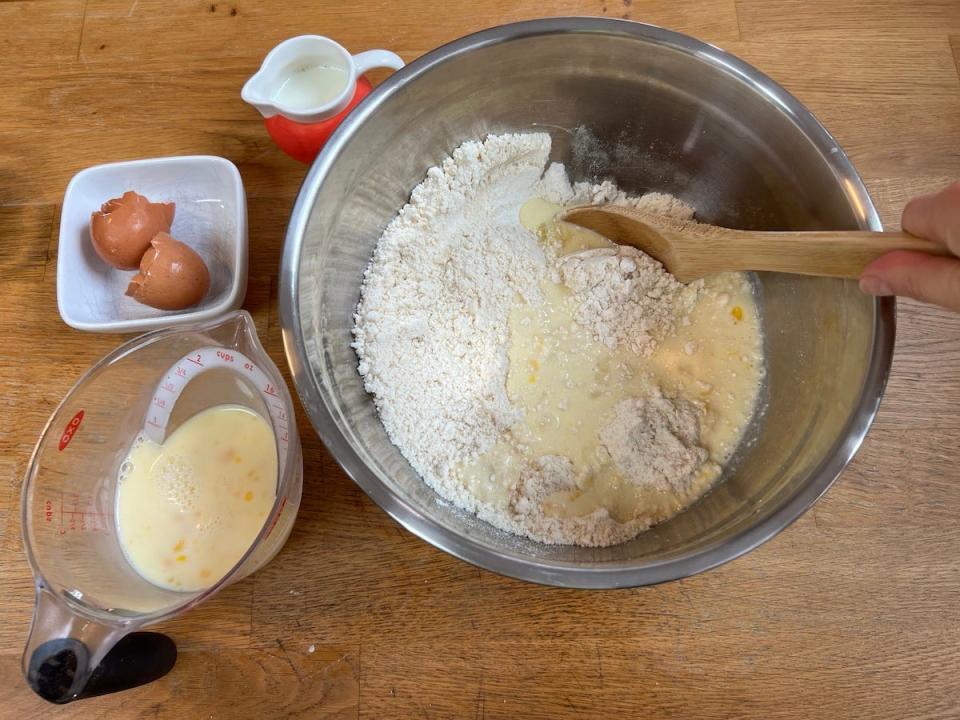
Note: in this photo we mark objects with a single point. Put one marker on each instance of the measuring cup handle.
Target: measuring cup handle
(376, 59)
(137, 659)
(69, 657)
(59, 669)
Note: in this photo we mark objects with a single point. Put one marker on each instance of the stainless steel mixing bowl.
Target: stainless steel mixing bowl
(664, 111)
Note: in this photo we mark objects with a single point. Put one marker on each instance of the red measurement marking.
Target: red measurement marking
(248, 366)
(283, 504)
(70, 430)
(160, 403)
(270, 390)
(225, 356)
(168, 386)
(181, 372)
(196, 359)
(48, 511)
(154, 423)
(79, 519)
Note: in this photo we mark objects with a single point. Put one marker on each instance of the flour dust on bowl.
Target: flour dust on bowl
(169, 471)
(653, 111)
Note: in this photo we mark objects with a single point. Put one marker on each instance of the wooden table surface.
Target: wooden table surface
(854, 611)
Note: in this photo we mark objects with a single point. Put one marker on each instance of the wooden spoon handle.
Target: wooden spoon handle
(830, 254)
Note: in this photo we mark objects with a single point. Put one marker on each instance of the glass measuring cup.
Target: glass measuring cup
(90, 600)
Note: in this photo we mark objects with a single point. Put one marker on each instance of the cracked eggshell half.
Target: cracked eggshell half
(172, 275)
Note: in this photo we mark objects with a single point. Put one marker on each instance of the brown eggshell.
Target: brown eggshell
(172, 276)
(121, 232)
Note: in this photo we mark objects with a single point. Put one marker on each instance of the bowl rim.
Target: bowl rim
(509, 563)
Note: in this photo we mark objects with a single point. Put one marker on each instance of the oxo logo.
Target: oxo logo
(70, 430)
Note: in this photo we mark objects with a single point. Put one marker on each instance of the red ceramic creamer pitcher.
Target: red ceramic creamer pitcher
(306, 86)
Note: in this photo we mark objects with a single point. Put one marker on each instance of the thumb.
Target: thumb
(923, 277)
(935, 217)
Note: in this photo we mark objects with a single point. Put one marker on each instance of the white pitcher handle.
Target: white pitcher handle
(376, 59)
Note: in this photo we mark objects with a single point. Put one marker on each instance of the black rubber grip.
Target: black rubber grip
(59, 669)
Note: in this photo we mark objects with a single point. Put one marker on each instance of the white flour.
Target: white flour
(431, 327)
(431, 332)
(543, 477)
(624, 297)
(654, 441)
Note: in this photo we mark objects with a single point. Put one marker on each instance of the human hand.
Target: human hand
(928, 278)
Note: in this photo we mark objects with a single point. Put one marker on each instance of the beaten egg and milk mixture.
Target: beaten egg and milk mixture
(567, 383)
(187, 510)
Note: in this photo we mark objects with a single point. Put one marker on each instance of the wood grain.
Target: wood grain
(117, 29)
(25, 241)
(39, 32)
(924, 19)
(851, 612)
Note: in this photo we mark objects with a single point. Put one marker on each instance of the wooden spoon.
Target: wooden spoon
(693, 250)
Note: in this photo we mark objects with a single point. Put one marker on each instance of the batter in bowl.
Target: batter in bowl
(557, 385)
(618, 435)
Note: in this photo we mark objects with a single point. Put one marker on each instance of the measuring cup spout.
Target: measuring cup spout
(69, 657)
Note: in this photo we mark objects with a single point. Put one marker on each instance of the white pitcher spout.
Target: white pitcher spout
(257, 92)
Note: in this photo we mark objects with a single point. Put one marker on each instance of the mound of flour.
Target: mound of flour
(431, 329)
(624, 297)
(654, 440)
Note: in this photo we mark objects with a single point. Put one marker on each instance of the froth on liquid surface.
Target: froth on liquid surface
(187, 510)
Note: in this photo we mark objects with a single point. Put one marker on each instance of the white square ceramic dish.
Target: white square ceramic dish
(211, 217)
